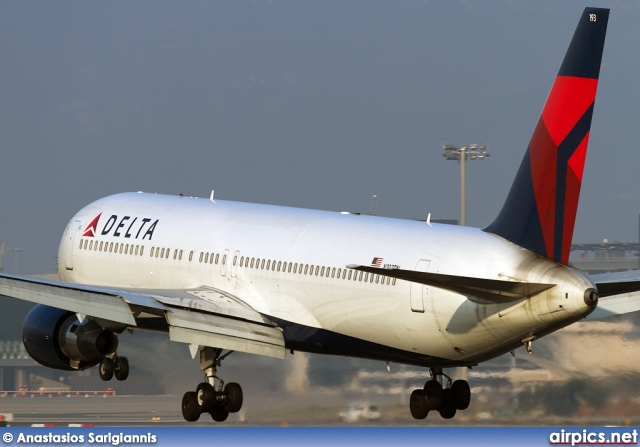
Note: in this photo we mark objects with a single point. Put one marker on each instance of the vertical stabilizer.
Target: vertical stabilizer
(540, 210)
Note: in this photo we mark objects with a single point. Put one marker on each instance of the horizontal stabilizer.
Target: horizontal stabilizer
(480, 290)
(617, 287)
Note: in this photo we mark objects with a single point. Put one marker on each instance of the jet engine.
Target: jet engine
(57, 339)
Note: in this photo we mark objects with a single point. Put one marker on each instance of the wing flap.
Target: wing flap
(225, 333)
(487, 290)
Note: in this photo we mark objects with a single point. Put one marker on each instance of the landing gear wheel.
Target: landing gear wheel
(448, 408)
(106, 369)
(190, 407)
(206, 397)
(461, 394)
(122, 368)
(233, 393)
(433, 394)
(220, 414)
(418, 404)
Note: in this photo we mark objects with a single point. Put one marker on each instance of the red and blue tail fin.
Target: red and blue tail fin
(540, 210)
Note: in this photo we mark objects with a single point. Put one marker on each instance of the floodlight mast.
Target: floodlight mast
(461, 154)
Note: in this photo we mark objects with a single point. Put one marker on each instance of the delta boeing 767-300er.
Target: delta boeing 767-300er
(225, 276)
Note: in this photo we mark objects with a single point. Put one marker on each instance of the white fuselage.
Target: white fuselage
(290, 265)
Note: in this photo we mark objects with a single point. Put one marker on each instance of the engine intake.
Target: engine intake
(57, 339)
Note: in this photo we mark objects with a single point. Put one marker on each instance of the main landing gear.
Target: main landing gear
(207, 399)
(446, 400)
(110, 366)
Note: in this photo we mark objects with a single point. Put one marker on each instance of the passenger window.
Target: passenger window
(126, 249)
(295, 268)
(206, 258)
(190, 255)
(279, 263)
(137, 249)
(333, 273)
(224, 260)
(217, 258)
(235, 260)
(110, 247)
(180, 255)
(161, 253)
(201, 255)
(262, 265)
(306, 268)
(141, 250)
(252, 263)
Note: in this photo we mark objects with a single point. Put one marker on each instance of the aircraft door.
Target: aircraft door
(419, 291)
(234, 263)
(71, 237)
(223, 264)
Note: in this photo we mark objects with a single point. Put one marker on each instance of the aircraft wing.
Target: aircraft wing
(619, 294)
(203, 316)
(487, 290)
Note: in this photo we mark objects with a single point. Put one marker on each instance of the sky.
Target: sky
(308, 104)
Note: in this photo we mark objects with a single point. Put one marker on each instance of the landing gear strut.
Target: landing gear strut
(118, 366)
(446, 400)
(207, 399)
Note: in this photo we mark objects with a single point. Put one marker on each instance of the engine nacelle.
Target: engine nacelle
(56, 339)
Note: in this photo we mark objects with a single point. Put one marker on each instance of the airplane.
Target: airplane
(224, 276)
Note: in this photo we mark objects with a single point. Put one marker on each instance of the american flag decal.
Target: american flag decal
(377, 262)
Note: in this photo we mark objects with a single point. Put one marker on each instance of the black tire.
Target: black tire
(122, 368)
(106, 368)
(206, 397)
(461, 394)
(220, 414)
(448, 408)
(234, 397)
(433, 394)
(418, 404)
(190, 407)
